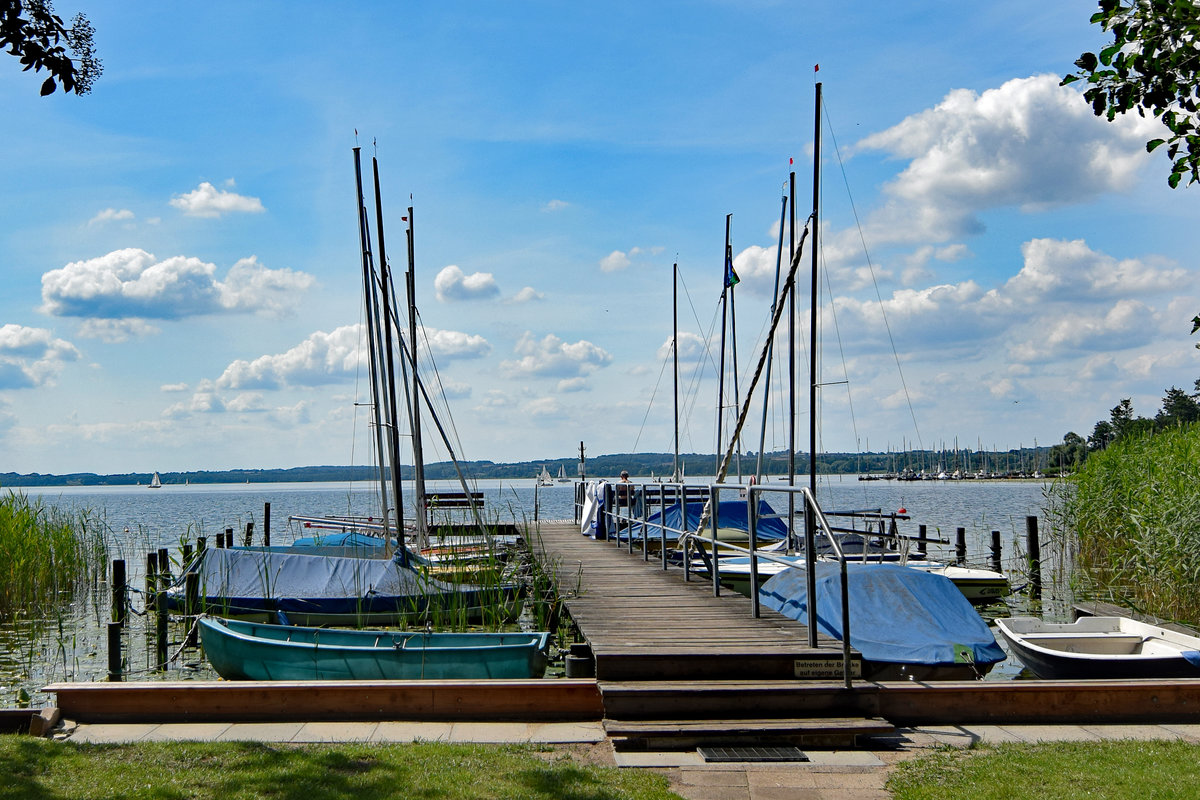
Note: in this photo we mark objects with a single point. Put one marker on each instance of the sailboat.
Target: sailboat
(543, 478)
(310, 589)
(155, 482)
(562, 474)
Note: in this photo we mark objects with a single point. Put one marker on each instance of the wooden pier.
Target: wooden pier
(643, 623)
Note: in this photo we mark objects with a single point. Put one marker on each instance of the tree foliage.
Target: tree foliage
(1150, 65)
(32, 32)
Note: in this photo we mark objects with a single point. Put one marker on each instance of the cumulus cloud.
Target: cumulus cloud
(556, 205)
(455, 344)
(614, 262)
(111, 215)
(551, 356)
(173, 387)
(132, 283)
(692, 347)
(31, 357)
(1060, 270)
(207, 200)
(114, 331)
(526, 295)
(452, 284)
(1030, 143)
(323, 358)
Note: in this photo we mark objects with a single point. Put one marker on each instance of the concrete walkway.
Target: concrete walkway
(858, 774)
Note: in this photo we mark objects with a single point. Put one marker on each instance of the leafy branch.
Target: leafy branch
(39, 38)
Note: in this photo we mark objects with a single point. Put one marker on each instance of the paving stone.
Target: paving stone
(1051, 733)
(657, 759)
(490, 732)
(1142, 733)
(112, 733)
(186, 732)
(567, 732)
(260, 732)
(991, 734)
(336, 732)
(412, 732)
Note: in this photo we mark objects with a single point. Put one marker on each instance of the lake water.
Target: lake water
(72, 646)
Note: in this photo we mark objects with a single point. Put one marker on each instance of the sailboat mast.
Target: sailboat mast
(810, 536)
(418, 452)
(372, 354)
(725, 270)
(762, 433)
(675, 476)
(792, 338)
(389, 383)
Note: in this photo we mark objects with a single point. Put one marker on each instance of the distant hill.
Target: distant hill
(639, 465)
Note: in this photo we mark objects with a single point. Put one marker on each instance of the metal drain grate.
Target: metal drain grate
(751, 754)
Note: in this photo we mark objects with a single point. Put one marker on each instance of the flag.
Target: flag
(816, 67)
(731, 277)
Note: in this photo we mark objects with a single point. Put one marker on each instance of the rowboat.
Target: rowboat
(1101, 647)
(907, 624)
(254, 651)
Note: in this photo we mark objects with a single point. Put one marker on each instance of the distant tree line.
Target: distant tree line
(1178, 408)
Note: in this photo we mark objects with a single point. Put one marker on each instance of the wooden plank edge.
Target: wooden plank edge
(258, 701)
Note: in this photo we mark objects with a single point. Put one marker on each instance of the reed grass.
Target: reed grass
(45, 554)
(1132, 516)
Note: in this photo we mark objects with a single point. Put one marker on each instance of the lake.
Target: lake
(72, 646)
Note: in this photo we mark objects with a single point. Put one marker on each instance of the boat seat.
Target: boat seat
(1116, 637)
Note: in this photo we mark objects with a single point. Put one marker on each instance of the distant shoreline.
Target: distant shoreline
(639, 465)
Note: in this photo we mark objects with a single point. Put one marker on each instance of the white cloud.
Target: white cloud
(571, 385)
(455, 344)
(526, 295)
(208, 201)
(323, 358)
(1058, 270)
(1030, 143)
(553, 357)
(614, 262)
(556, 205)
(111, 215)
(31, 357)
(173, 387)
(114, 331)
(452, 284)
(132, 283)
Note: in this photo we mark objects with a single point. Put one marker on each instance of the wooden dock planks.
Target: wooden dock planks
(643, 623)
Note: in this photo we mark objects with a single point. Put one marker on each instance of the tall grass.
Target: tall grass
(45, 553)
(1133, 516)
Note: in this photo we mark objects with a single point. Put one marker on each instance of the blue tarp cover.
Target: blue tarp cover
(897, 614)
(731, 514)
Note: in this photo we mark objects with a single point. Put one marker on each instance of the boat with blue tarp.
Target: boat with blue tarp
(906, 623)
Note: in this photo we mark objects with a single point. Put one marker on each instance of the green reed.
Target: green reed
(1132, 513)
(45, 554)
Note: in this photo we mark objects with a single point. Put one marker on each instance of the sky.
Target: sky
(182, 280)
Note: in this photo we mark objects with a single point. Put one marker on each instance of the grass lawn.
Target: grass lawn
(47, 770)
(1110, 770)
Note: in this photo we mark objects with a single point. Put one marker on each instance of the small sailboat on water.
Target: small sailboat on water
(155, 482)
(562, 474)
(544, 478)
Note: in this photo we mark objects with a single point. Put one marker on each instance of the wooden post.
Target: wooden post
(960, 546)
(228, 538)
(248, 539)
(164, 567)
(996, 550)
(114, 651)
(160, 607)
(118, 591)
(186, 558)
(151, 578)
(201, 544)
(922, 540)
(191, 604)
(266, 524)
(1034, 548)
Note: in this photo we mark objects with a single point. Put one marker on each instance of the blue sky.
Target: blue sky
(180, 254)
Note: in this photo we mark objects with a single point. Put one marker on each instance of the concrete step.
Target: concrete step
(674, 734)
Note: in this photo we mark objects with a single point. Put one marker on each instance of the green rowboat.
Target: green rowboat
(241, 650)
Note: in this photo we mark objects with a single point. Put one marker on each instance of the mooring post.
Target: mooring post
(248, 539)
(922, 540)
(160, 607)
(114, 651)
(186, 558)
(1034, 548)
(164, 567)
(151, 578)
(118, 591)
(996, 550)
(228, 538)
(960, 546)
(191, 604)
(201, 544)
(266, 524)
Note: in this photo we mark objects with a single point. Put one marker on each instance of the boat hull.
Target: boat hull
(1114, 648)
(253, 651)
